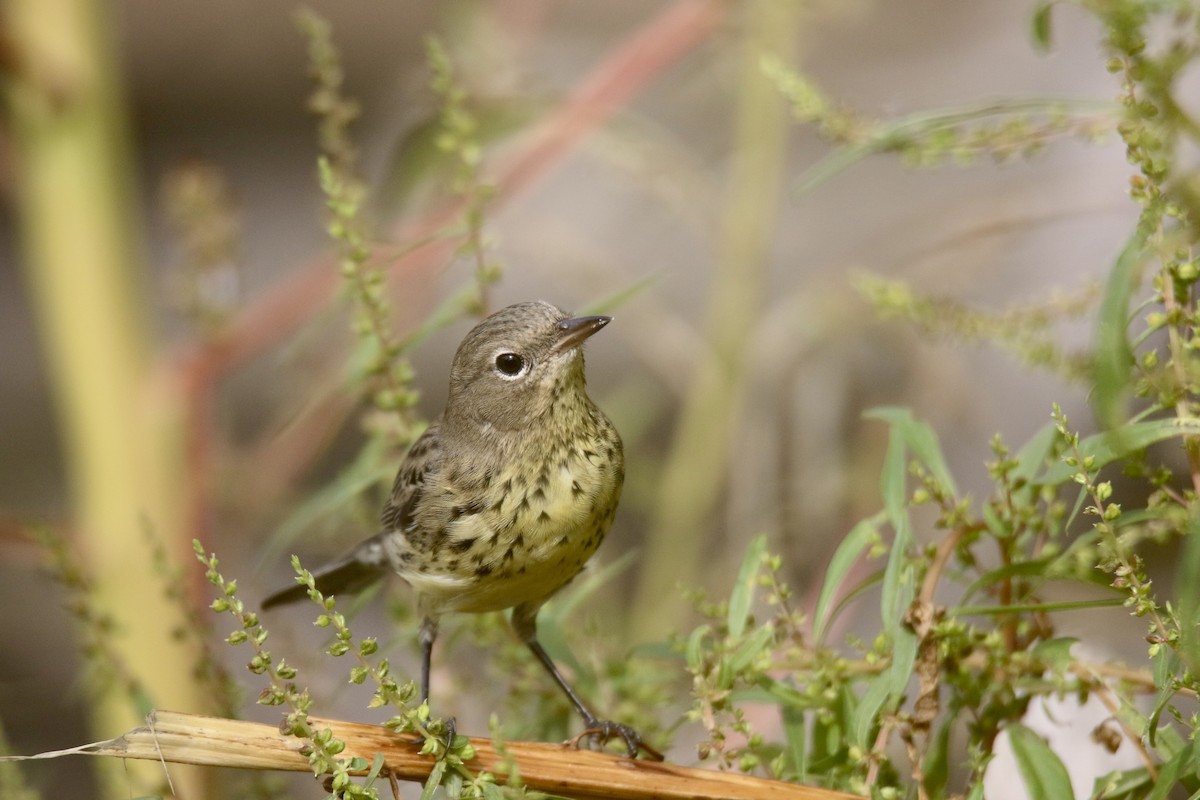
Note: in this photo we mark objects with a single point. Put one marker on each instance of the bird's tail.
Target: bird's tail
(351, 573)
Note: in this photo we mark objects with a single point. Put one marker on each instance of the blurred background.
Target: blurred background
(741, 357)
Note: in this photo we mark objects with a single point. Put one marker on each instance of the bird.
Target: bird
(504, 498)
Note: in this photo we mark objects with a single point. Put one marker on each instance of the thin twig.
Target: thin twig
(1100, 688)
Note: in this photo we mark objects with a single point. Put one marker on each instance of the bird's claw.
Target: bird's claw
(446, 741)
(603, 730)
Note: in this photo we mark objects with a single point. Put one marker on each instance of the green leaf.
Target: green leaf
(860, 536)
(865, 713)
(1106, 447)
(1130, 784)
(892, 488)
(995, 523)
(993, 577)
(937, 760)
(1042, 771)
(1040, 27)
(750, 648)
(1169, 773)
(694, 652)
(744, 586)
(1169, 743)
(920, 439)
(434, 780)
(865, 585)
(1186, 580)
(1166, 664)
(1114, 357)
(904, 656)
(1055, 653)
(1033, 454)
(796, 741)
(783, 694)
(453, 784)
(826, 737)
(893, 477)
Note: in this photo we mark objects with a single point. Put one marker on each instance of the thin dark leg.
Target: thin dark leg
(589, 718)
(593, 725)
(428, 635)
(429, 628)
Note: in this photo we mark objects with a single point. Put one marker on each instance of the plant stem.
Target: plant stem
(83, 267)
(695, 468)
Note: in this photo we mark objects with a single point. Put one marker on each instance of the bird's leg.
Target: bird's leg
(429, 629)
(525, 624)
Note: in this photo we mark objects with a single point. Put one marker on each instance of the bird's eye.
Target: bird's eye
(510, 364)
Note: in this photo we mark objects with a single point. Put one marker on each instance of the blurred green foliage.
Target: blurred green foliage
(968, 633)
(970, 590)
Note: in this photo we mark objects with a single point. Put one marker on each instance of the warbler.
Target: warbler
(505, 497)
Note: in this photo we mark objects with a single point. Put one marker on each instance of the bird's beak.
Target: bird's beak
(573, 331)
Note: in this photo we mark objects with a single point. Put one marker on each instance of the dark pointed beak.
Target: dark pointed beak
(572, 332)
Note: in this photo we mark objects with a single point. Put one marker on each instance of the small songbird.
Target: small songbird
(502, 500)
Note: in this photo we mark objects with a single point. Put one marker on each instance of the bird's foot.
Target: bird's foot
(603, 730)
(439, 745)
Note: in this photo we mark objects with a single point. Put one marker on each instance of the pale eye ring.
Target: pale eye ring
(511, 365)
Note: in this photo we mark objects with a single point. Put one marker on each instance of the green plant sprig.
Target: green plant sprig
(387, 372)
(1027, 332)
(386, 369)
(450, 771)
(1126, 567)
(322, 748)
(97, 628)
(388, 691)
(459, 137)
(207, 669)
(1003, 130)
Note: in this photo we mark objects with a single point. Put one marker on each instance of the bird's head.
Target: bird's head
(517, 363)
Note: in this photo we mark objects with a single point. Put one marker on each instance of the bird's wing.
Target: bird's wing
(370, 560)
(400, 510)
(353, 572)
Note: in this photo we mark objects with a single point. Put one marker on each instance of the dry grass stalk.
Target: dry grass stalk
(180, 738)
